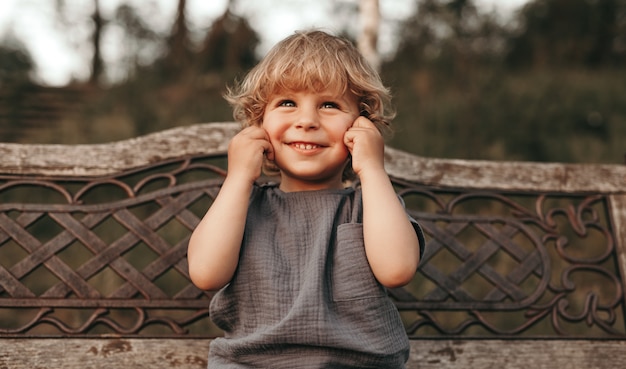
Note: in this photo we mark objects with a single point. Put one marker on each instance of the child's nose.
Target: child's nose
(308, 119)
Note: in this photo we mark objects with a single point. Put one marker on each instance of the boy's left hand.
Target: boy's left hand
(366, 144)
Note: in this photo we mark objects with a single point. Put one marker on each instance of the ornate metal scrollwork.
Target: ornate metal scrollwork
(513, 264)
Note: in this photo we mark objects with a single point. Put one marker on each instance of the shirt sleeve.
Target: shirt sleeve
(420, 235)
(417, 228)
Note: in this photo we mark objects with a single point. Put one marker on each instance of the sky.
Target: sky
(59, 57)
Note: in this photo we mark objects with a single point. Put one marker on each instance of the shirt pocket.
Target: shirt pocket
(352, 277)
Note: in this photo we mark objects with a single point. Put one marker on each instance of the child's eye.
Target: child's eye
(330, 105)
(287, 103)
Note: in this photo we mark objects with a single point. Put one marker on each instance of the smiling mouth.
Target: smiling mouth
(305, 146)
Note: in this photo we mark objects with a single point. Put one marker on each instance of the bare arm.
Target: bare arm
(214, 246)
(391, 244)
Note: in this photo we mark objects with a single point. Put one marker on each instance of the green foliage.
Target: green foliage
(463, 91)
(546, 86)
(540, 115)
(568, 32)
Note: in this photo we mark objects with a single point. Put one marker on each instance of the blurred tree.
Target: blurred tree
(447, 38)
(229, 46)
(16, 63)
(453, 83)
(179, 55)
(567, 32)
(97, 65)
(25, 105)
(185, 84)
(139, 39)
(367, 40)
(67, 17)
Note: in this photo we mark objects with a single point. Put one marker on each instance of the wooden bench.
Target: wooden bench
(525, 265)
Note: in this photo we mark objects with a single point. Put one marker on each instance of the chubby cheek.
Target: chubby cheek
(271, 132)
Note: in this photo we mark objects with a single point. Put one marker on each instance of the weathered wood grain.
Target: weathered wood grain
(70, 353)
(518, 354)
(213, 138)
(109, 158)
(507, 175)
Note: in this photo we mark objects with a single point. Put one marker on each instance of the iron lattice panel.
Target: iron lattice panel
(512, 264)
(107, 256)
(104, 256)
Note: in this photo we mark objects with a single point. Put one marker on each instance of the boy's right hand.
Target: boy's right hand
(246, 152)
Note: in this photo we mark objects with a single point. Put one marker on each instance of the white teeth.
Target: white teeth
(302, 146)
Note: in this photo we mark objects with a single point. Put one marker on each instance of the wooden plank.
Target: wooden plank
(110, 158)
(506, 175)
(518, 354)
(213, 138)
(72, 353)
(76, 353)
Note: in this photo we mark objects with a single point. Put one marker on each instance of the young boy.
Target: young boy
(302, 265)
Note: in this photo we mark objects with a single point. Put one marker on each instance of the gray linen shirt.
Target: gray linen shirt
(303, 294)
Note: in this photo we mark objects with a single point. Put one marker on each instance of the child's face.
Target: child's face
(306, 130)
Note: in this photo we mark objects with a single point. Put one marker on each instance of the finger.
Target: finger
(254, 132)
(269, 151)
(348, 139)
(362, 122)
(258, 137)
